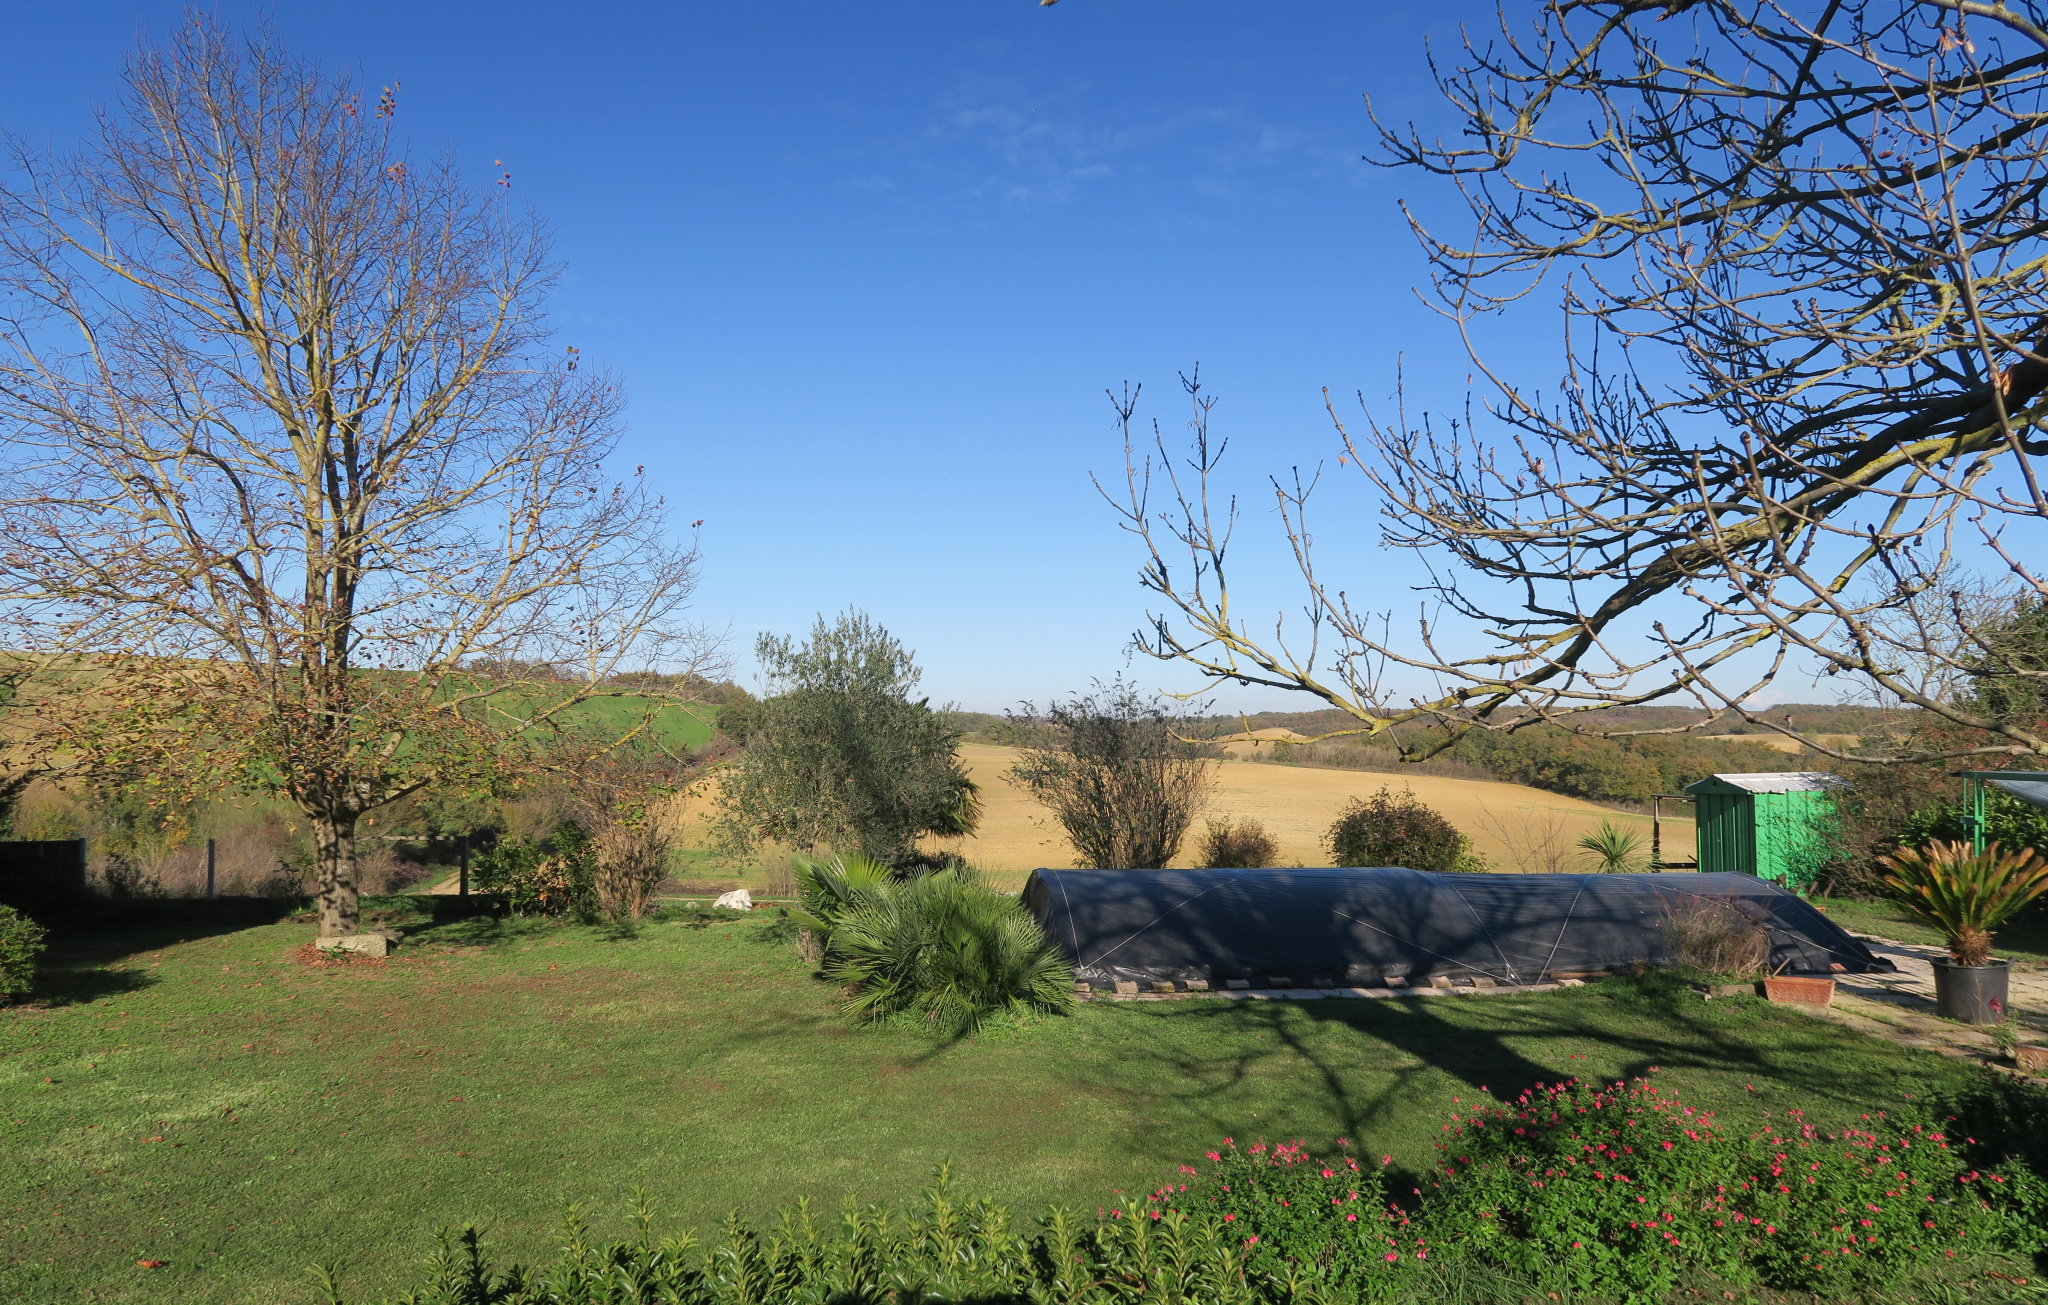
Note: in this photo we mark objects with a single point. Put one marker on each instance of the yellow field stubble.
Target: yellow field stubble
(1296, 804)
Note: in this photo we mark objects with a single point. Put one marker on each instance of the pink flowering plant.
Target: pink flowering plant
(1624, 1191)
(1626, 1186)
(1309, 1226)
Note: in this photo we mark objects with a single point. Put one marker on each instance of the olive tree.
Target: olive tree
(838, 755)
(295, 489)
(1796, 417)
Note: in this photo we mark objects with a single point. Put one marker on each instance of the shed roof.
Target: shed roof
(2029, 786)
(1770, 781)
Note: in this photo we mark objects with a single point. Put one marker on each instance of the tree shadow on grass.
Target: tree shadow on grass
(68, 986)
(100, 933)
(1493, 1044)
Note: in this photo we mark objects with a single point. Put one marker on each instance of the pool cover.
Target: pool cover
(1363, 926)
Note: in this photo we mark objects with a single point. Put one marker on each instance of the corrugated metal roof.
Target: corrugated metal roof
(1783, 781)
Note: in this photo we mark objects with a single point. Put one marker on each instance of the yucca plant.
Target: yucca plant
(1965, 893)
(1615, 848)
(944, 946)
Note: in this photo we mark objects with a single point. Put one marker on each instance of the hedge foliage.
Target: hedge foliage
(1392, 828)
(21, 945)
(554, 876)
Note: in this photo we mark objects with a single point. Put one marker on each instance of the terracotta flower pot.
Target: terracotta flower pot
(1972, 994)
(1806, 989)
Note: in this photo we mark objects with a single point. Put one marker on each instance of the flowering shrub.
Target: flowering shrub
(1621, 1191)
(1309, 1225)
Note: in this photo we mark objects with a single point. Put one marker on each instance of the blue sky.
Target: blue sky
(867, 269)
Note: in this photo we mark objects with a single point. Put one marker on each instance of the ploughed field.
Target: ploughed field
(195, 1090)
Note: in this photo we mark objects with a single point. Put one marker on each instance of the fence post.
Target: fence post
(209, 869)
(463, 883)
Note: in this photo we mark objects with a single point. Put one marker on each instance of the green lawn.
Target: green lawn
(194, 1092)
(2025, 939)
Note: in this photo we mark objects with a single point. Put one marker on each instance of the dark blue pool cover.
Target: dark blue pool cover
(1362, 926)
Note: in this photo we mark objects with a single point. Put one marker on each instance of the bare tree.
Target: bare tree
(1115, 771)
(1798, 245)
(294, 487)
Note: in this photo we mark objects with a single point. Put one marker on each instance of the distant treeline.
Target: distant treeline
(1541, 756)
(1810, 718)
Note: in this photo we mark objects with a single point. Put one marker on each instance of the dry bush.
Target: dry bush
(1716, 936)
(1538, 842)
(1115, 771)
(632, 860)
(1243, 845)
(780, 881)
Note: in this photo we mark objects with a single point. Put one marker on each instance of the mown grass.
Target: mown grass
(191, 1090)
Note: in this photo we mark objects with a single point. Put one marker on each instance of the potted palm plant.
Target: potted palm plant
(1966, 894)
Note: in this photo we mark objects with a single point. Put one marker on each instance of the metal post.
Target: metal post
(1977, 816)
(209, 868)
(1656, 832)
(463, 883)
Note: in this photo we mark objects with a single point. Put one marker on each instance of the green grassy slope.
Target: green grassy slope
(197, 1093)
(677, 726)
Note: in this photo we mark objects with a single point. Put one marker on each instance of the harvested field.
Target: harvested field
(1513, 826)
(1783, 744)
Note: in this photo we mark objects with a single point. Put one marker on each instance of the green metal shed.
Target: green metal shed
(1763, 825)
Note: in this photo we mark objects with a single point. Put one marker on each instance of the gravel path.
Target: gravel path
(1900, 1007)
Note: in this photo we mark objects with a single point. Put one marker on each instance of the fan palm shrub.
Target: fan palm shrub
(944, 947)
(1965, 893)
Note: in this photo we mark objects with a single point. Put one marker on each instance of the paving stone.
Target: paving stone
(1198, 985)
(363, 944)
(1126, 987)
(1163, 985)
(1441, 981)
(1237, 985)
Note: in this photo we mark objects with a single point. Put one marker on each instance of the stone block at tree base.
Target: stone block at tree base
(363, 944)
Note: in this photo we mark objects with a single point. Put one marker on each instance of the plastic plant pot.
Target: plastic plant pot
(1972, 994)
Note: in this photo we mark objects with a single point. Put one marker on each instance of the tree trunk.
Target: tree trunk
(334, 855)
